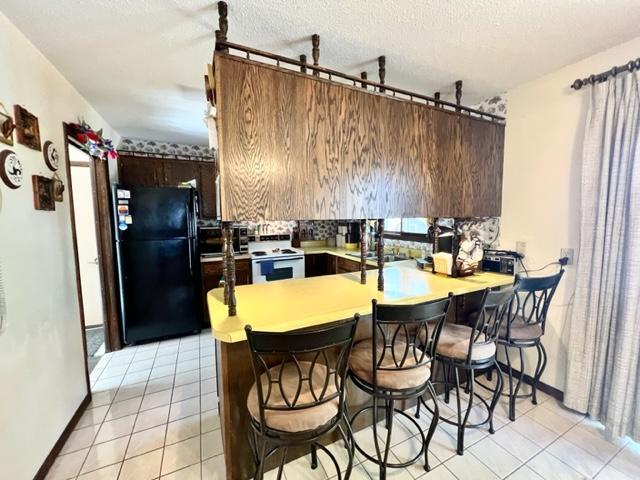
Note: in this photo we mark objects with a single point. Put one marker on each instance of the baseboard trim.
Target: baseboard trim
(528, 379)
(57, 448)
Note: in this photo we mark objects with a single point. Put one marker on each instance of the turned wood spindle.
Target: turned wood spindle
(459, 93)
(382, 70)
(225, 274)
(303, 59)
(455, 249)
(223, 23)
(436, 237)
(230, 283)
(363, 252)
(363, 75)
(315, 52)
(380, 253)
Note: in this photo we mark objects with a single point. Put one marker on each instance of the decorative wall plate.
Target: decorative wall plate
(51, 157)
(11, 169)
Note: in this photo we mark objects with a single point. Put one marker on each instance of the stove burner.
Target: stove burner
(287, 250)
(259, 253)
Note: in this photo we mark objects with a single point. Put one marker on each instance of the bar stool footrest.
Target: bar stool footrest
(376, 460)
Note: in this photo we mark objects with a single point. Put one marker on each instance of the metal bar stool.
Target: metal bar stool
(298, 395)
(526, 328)
(471, 348)
(393, 365)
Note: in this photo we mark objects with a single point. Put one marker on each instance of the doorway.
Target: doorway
(91, 228)
(87, 244)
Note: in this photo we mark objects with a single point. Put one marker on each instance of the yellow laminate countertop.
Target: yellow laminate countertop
(304, 302)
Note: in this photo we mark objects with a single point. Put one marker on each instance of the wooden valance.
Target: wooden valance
(298, 146)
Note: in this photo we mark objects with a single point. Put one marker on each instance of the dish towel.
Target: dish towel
(266, 267)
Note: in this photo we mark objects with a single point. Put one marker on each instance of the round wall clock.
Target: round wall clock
(51, 157)
(11, 170)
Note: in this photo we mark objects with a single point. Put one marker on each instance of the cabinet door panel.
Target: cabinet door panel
(207, 189)
(179, 171)
(139, 172)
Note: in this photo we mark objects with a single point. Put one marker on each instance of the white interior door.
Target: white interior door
(87, 245)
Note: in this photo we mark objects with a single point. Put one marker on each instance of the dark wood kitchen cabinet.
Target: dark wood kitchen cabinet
(315, 264)
(134, 171)
(140, 172)
(212, 274)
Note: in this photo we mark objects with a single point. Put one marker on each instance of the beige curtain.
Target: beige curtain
(603, 367)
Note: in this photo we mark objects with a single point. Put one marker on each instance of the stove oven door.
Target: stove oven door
(272, 269)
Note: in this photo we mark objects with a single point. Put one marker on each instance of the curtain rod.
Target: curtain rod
(602, 76)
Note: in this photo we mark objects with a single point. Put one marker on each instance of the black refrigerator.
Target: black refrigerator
(157, 260)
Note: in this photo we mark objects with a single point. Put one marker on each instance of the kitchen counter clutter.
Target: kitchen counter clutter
(300, 303)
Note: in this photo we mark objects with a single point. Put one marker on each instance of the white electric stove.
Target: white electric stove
(273, 258)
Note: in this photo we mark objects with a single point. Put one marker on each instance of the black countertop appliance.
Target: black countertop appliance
(157, 262)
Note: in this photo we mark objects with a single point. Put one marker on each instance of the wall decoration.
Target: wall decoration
(27, 128)
(11, 169)
(58, 188)
(7, 126)
(51, 157)
(93, 141)
(43, 196)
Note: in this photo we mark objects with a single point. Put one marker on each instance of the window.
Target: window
(406, 227)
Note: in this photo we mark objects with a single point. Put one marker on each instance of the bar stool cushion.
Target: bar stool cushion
(361, 365)
(300, 419)
(454, 343)
(521, 330)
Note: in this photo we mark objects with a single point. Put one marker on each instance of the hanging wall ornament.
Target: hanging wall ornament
(7, 126)
(51, 157)
(11, 169)
(58, 188)
(27, 128)
(43, 198)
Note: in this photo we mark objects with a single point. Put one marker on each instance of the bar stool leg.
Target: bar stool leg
(462, 422)
(282, 461)
(314, 457)
(446, 370)
(263, 455)
(512, 400)
(496, 395)
(542, 363)
(349, 452)
(376, 441)
(520, 378)
(432, 426)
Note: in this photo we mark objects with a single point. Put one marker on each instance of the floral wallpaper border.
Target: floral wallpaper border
(166, 148)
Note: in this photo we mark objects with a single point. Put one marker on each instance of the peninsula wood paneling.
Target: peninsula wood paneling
(295, 146)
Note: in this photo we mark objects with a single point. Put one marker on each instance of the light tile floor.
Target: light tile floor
(154, 416)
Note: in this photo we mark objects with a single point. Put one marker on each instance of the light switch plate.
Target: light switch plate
(567, 252)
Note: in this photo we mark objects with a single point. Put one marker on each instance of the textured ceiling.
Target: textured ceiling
(141, 62)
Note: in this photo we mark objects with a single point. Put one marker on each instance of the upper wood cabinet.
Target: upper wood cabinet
(297, 146)
(158, 172)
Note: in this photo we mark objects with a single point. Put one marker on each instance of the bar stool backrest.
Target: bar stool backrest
(533, 297)
(317, 358)
(397, 329)
(498, 306)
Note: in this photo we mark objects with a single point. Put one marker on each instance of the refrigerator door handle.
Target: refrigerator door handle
(190, 258)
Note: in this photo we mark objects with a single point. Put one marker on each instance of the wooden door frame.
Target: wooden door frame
(104, 237)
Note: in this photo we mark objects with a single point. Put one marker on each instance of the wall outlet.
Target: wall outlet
(567, 252)
(521, 247)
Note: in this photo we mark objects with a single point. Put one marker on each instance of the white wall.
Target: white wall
(541, 187)
(42, 380)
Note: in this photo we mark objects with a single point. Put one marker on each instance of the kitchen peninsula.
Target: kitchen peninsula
(301, 141)
(301, 303)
